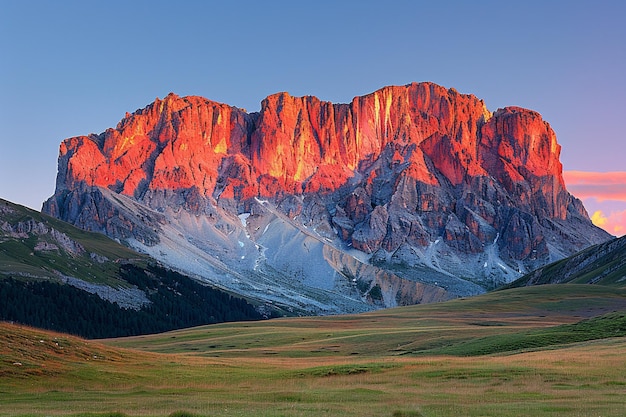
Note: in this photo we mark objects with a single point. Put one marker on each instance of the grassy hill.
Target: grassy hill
(56, 276)
(603, 264)
(432, 329)
(553, 350)
(34, 245)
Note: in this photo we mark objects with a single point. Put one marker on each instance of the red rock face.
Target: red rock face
(522, 148)
(301, 144)
(175, 143)
(402, 165)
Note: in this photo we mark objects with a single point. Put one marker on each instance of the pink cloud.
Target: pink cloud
(599, 185)
(604, 195)
(614, 222)
(589, 177)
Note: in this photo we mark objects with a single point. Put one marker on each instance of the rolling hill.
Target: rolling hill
(56, 276)
(603, 264)
(550, 350)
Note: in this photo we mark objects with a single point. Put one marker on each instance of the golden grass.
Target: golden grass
(376, 364)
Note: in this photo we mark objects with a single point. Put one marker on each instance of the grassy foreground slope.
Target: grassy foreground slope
(416, 361)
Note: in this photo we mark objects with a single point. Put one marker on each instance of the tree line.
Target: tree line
(176, 301)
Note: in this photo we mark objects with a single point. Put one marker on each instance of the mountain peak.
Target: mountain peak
(416, 175)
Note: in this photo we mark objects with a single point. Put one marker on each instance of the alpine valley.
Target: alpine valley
(410, 194)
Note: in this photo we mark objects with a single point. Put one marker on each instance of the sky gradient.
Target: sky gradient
(75, 67)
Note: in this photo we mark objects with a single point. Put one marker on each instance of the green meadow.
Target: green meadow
(554, 350)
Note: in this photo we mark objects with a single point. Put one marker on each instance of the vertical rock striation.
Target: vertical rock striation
(419, 179)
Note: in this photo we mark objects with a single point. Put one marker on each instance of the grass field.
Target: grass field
(537, 351)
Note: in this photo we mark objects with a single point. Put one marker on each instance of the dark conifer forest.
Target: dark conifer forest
(176, 301)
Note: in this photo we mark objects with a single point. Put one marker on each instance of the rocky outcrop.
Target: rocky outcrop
(392, 172)
(47, 238)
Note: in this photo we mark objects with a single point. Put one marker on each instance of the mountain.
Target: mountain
(602, 264)
(410, 194)
(56, 276)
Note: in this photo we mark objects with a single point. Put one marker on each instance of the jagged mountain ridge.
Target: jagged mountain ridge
(415, 185)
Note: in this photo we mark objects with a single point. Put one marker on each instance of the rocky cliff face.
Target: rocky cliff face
(419, 181)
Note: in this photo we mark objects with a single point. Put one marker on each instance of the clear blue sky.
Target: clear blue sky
(75, 67)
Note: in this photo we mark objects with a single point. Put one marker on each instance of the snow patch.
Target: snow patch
(244, 219)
